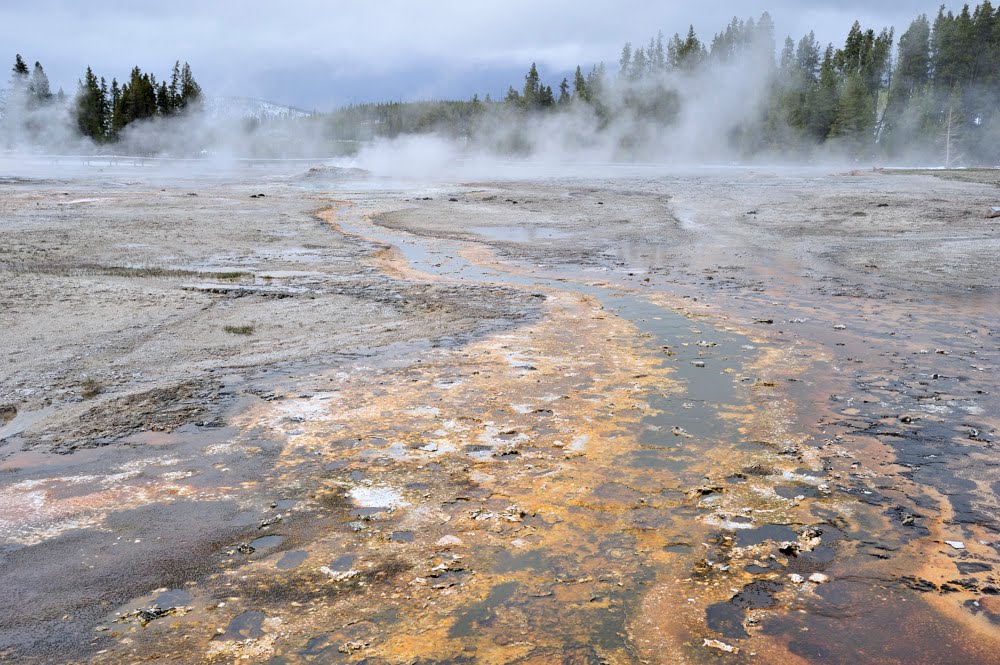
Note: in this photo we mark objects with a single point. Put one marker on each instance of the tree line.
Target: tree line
(933, 93)
(98, 111)
(102, 112)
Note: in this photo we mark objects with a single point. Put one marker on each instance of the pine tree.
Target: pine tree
(532, 88)
(163, 101)
(174, 91)
(39, 86)
(20, 68)
(564, 95)
(807, 56)
(140, 100)
(912, 72)
(639, 66)
(190, 90)
(855, 117)
(625, 60)
(90, 108)
(822, 103)
(105, 105)
(117, 122)
(786, 62)
(659, 54)
(674, 48)
(762, 42)
(580, 91)
(690, 52)
(545, 97)
(595, 82)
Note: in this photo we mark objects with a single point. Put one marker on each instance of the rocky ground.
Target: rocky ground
(644, 417)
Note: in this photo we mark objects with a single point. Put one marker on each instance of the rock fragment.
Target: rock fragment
(721, 646)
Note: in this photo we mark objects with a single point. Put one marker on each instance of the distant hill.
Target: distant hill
(237, 108)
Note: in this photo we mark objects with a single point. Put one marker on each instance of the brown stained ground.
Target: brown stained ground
(506, 447)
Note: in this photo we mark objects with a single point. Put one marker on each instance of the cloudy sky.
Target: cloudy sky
(317, 54)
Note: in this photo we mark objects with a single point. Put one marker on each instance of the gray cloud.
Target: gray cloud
(315, 54)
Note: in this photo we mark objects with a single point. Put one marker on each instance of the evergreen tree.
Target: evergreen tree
(531, 93)
(117, 122)
(690, 52)
(596, 82)
(854, 119)
(638, 68)
(564, 95)
(580, 91)
(105, 109)
(912, 67)
(625, 61)
(90, 108)
(39, 92)
(596, 85)
(20, 69)
(762, 41)
(138, 97)
(659, 54)
(822, 103)
(164, 104)
(174, 90)
(786, 62)
(674, 48)
(807, 58)
(545, 97)
(190, 95)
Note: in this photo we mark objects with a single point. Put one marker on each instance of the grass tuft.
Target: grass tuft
(90, 388)
(239, 330)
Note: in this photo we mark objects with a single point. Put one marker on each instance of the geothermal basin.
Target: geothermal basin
(636, 415)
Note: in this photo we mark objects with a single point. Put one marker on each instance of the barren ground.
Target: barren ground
(641, 417)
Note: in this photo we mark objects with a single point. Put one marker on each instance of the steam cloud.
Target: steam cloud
(714, 102)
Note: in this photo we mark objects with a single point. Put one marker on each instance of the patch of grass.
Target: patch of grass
(90, 388)
(239, 330)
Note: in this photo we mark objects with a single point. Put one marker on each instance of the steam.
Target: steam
(700, 115)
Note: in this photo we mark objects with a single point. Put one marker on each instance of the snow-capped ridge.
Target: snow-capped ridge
(236, 108)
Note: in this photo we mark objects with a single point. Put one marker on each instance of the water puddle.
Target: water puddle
(265, 543)
(519, 233)
(292, 559)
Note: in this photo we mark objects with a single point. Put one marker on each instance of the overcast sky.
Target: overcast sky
(317, 54)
